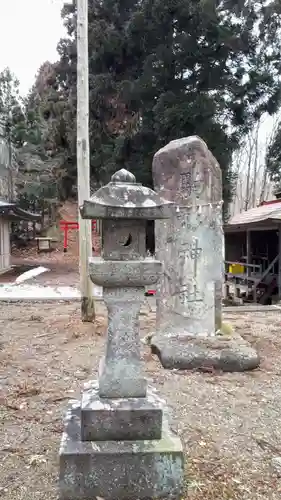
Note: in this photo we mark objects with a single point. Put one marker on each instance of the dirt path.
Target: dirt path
(230, 424)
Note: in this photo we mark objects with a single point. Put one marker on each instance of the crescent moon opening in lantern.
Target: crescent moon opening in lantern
(128, 241)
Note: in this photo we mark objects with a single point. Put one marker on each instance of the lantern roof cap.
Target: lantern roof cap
(124, 198)
(123, 176)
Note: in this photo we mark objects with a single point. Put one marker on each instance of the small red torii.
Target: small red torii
(68, 226)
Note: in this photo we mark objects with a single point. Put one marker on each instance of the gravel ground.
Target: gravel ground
(230, 424)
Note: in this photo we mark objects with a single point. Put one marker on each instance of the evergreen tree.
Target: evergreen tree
(34, 129)
(164, 70)
(44, 155)
(12, 125)
(11, 108)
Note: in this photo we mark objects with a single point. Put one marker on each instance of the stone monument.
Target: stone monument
(191, 246)
(117, 443)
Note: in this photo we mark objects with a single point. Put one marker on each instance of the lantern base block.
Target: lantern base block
(104, 419)
(129, 470)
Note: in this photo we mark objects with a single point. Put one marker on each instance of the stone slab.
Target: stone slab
(117, 470)
(105, 419)
(193, 353)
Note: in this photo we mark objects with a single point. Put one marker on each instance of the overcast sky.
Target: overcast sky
(29, 33)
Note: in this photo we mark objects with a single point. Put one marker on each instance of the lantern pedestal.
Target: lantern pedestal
(123, 283)
(115, 470)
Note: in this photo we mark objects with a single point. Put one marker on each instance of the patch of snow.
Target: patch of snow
(149, 203)
(129, 204)
(10, 291)
(31, 274)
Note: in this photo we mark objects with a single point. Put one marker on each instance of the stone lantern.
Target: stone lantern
(117, 443)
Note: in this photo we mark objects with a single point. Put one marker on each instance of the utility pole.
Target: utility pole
(83, 160)
(10, 162)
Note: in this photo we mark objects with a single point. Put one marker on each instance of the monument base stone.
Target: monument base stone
(228, 354)
(117, 470)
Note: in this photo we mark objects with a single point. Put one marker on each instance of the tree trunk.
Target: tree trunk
(83, 163)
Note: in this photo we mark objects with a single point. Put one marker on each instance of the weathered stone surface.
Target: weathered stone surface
(120, 419)
(127, 273)
(190, 244)
(120, 373)
(231, 354)
(124, 239)
(117, 444)
(124, 283)
(131, 470)
(124, 198)
(124, 272)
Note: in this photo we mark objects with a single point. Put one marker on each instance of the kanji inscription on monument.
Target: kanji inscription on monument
(185, 182)
(191, 251)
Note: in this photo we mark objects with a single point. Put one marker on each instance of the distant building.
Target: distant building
(9, 211)
(253, 253)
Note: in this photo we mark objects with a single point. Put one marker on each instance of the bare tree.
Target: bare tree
(266, 184)
(253, 185)
(248, 177)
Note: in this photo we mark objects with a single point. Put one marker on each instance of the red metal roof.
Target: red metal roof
(269, 211)
(270, 202)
